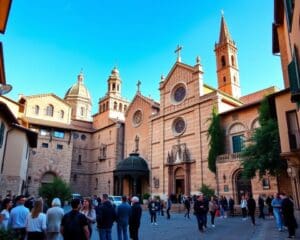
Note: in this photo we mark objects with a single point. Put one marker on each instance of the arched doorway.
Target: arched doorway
(179, 181)
(243, 186)
(48, 177)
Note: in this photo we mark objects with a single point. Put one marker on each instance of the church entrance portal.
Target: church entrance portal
(179, 186)
(243, 186)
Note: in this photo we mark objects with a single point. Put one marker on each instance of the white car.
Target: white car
(115, 200)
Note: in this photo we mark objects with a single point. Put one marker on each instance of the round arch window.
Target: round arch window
(179, 126)
(137, 118)
(178, 93)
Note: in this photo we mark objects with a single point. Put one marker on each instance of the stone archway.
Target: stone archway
(242, 185)
(47, 177)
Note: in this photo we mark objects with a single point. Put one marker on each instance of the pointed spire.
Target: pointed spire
(224, 32)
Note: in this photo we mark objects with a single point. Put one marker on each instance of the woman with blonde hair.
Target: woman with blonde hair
(36, 222)
(54, 216)
(89, 212)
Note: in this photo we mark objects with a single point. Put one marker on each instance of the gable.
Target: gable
(179, 72)
(36, 107)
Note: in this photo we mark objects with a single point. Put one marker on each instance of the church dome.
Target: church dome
(78, 90)
(134, 163)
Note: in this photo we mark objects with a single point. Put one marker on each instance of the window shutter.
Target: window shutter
(293, 72)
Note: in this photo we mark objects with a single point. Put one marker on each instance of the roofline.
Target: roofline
(31, 135)
(5, 109)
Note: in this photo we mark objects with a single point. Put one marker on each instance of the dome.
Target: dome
(134, 163)
(78, 90)
(115, 71)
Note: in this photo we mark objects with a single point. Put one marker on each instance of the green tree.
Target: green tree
(58, 188)
(262, 154)
(207, 191)
(215, 136)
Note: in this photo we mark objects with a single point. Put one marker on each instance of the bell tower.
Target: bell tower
(114, 83)
(227, 64)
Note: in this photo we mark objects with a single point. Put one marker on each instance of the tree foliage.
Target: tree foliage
(262, 154)
(207, 191)
(215, 135)
(58, 188)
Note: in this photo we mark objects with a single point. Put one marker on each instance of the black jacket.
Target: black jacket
(251, 204)
(136, 213)
(106, 215)
(199, 207)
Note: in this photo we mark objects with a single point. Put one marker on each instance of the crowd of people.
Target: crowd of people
(30, 219)
(281, 208)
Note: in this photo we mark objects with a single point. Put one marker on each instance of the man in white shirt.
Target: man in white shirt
(17, 218)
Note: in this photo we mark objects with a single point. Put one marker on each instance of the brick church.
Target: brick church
(144, 146)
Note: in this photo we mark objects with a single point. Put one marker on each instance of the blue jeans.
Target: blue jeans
(277, 215)
(122, 231)
(104, 234)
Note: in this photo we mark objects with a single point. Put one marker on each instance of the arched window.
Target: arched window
(49, 110)
(118, 87)
(115, 105)
(62, 113)
(125, 108)
(234, 79)
(120, 107)
(224, 79)
(223, 61)
(237, 132)
(82, 111)
(232, 60)
(113, 86)
(48, 177)
(106, 106)
(36, 109)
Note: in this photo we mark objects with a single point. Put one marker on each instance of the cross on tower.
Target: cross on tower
(138, 85)
(178, 49)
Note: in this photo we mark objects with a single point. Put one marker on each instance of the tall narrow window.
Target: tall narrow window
(232, 60)
(79, 160)
(120, 107)
(2, 128)
(237, 143)
(62, 114)
(224, 79)
(82, 111)
(115, 105)
(49, 110)
(293, 129)
(36, 109)
(96, 183)
(223, 61)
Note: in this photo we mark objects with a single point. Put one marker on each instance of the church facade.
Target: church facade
(144, 146)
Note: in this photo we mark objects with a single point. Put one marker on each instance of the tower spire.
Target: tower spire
(224, 32)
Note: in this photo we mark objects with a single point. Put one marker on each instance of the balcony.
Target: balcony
(229, 157)
(294, 139)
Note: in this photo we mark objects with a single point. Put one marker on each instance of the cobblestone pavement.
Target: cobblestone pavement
(181, 228)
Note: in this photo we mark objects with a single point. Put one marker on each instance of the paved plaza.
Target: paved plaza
(181, 228)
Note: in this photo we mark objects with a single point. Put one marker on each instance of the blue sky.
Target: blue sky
(47, 43)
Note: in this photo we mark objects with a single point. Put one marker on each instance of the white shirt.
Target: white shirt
(244, 203)
(37, 224)
(5, 215)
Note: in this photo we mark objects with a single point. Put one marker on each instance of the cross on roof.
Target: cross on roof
(177, 50)
(138, 85)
